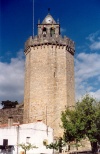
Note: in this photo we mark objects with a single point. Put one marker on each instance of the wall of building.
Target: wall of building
(16, 113)
(49, 84)
(36, 132)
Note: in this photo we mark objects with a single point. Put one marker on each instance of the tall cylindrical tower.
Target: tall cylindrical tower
(49, 75)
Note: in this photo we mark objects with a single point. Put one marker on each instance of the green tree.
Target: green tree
(27, 146)
(83, 121)
(53, 146)
(89, 111)
(57, 145)
(73, 127)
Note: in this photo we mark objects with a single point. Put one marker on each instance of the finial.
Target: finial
(38, 21)
(48, 10)
(58, 21)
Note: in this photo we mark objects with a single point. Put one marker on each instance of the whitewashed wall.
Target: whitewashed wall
(36, 131)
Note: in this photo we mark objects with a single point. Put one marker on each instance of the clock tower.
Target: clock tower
(49, 75)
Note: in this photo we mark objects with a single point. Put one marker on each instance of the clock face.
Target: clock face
(49, 20)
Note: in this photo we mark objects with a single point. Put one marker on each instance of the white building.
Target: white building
(34, 133)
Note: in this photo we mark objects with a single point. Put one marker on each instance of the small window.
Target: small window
(27, 139)
(52, 31)
(5, 142)
(44, 31)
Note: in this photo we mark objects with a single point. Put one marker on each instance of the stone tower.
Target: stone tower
(49, 75)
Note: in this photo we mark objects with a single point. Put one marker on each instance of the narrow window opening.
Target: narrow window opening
(54, 74)
(52, 31)
(44, 31)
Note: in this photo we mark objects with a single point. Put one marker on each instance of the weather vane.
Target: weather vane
(48, 10)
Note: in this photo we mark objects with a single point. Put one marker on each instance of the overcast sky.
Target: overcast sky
(79, 20)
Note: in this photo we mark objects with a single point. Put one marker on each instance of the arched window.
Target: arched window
(52, 31)
(44, 31)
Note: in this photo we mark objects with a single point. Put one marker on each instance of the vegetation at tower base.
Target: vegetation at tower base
(53, 146)
(57, 145)
(27, 146)
(82, 122)
(9, 104)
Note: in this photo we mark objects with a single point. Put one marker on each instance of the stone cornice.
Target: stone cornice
(55, 40)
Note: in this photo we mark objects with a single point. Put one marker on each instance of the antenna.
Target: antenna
(46, 120)
(33, 18)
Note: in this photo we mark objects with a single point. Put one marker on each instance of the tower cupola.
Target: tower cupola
(48, 27)
(49, 33)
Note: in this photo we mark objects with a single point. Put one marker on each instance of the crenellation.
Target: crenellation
(37, 41)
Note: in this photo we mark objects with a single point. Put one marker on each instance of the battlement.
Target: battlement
(54, 40)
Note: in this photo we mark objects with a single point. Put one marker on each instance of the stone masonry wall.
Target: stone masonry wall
(16, 113)
(49, 84)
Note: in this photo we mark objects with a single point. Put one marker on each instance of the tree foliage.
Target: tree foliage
(9, 104)
(57, 145)
(27, 146)
(53, 146)
(83, 121)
